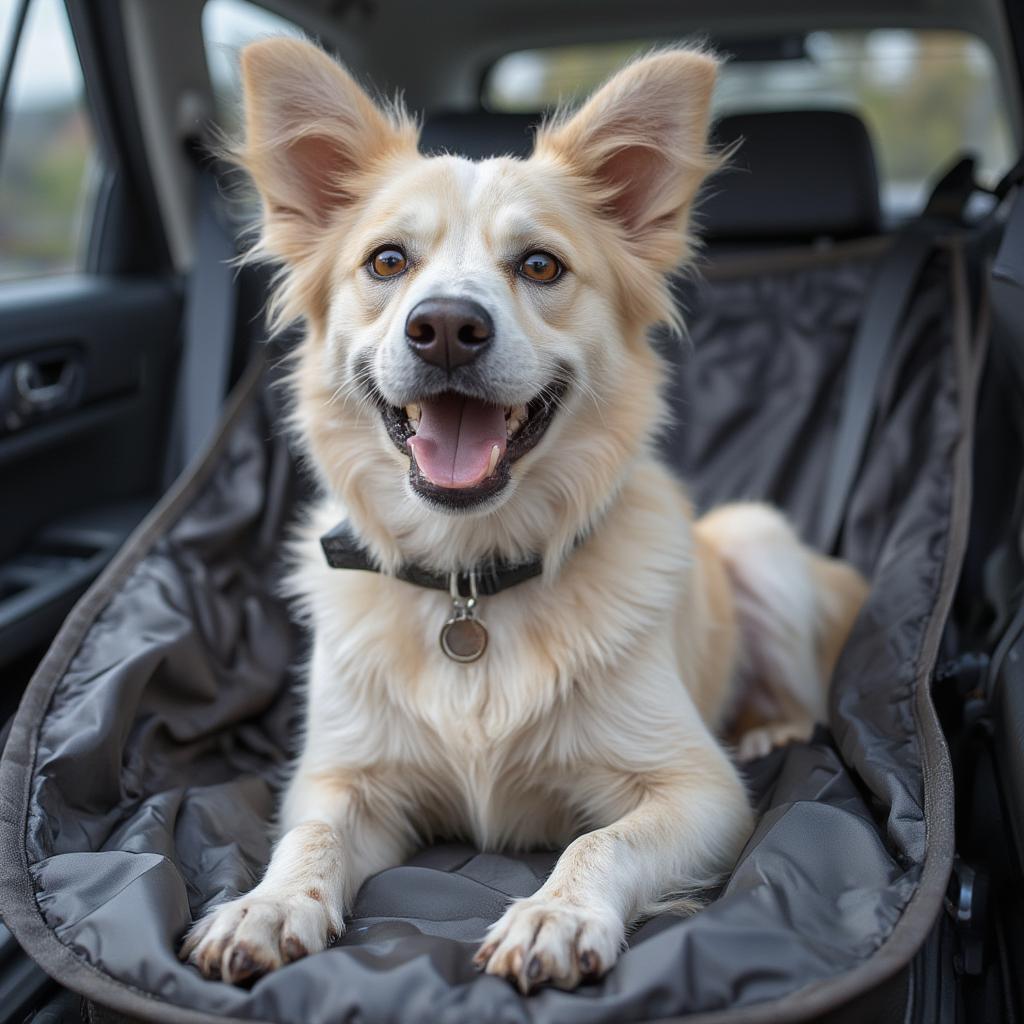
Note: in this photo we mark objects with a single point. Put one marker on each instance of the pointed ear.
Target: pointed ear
(310, 133)
(641, 143)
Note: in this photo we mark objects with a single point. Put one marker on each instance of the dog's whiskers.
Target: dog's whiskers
(592, 395)
(353, 389)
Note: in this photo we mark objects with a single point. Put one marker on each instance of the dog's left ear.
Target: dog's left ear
(640, 142)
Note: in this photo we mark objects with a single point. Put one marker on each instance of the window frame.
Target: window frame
(7, 61)
(126, 234)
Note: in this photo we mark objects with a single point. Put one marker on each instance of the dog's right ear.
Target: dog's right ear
(311, 136)
(640, 142)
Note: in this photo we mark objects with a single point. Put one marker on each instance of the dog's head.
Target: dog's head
(476, 375)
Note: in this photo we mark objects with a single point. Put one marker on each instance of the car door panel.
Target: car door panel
(78, 470)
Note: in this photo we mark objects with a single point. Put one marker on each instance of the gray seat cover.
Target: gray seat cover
(140, 775)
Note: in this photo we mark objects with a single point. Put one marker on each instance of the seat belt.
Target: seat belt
(888, 298)
(1006, 294)
(211, 308)
(895, 279)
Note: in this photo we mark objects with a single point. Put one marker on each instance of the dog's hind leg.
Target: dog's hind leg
(794, 609)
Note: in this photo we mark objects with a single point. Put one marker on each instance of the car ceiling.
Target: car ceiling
(437, 51)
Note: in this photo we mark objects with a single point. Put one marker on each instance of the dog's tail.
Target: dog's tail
(794, 609)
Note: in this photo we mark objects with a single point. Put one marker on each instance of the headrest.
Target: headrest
(797, 175)
(479, 134)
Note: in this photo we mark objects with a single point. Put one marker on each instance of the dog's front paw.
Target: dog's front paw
(245, 938)
(543, 940)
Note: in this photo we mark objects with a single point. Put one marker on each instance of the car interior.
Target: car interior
(854, 352)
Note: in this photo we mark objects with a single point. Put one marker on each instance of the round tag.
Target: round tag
(463, 639)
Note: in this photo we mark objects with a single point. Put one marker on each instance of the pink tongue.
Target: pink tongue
(454, 440)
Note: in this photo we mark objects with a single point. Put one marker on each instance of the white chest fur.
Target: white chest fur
(581, 677)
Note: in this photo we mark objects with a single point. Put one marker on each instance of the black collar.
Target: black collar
(343, 551)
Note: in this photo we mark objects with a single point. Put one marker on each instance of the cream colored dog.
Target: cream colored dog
(476, 385)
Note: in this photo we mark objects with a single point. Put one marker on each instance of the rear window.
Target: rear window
(926, 96)
(228, 26)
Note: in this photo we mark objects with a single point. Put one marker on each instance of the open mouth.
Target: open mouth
(461, 448)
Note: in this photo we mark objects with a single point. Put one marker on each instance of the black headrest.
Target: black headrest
(797, 174)
(479, 135)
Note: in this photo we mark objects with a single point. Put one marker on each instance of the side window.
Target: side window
(48, 154)
(228, 25)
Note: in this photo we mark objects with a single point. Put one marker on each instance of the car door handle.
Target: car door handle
(33, 387)
(45, 386)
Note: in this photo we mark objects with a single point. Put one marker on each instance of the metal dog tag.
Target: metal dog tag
(463, 636)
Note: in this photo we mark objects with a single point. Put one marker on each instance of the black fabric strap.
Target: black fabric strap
(1008, 266)
(1006, 286)
(888, 298)
(343, 551)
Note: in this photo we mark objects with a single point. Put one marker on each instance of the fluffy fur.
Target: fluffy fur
(592, 719)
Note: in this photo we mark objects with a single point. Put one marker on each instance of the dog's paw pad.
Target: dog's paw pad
(240, 941)
(543, 941)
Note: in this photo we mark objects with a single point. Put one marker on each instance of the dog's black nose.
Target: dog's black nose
(448, 332)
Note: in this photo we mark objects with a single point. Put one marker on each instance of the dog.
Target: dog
(539, 644)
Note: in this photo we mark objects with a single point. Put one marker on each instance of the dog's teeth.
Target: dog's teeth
(493, 461)
(412, 412)
(515, 419)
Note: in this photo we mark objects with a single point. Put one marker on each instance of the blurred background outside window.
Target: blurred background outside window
(48, 155)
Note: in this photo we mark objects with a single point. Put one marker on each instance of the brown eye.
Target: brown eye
(388, 262)
(540, 266)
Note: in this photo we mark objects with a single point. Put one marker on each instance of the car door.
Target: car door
(90, 313)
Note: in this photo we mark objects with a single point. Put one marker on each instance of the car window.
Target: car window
(48, 152)
(228, 25)
(924, 95)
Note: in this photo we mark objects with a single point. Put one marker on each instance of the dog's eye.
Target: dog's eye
(387, 262)
(540, 266)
